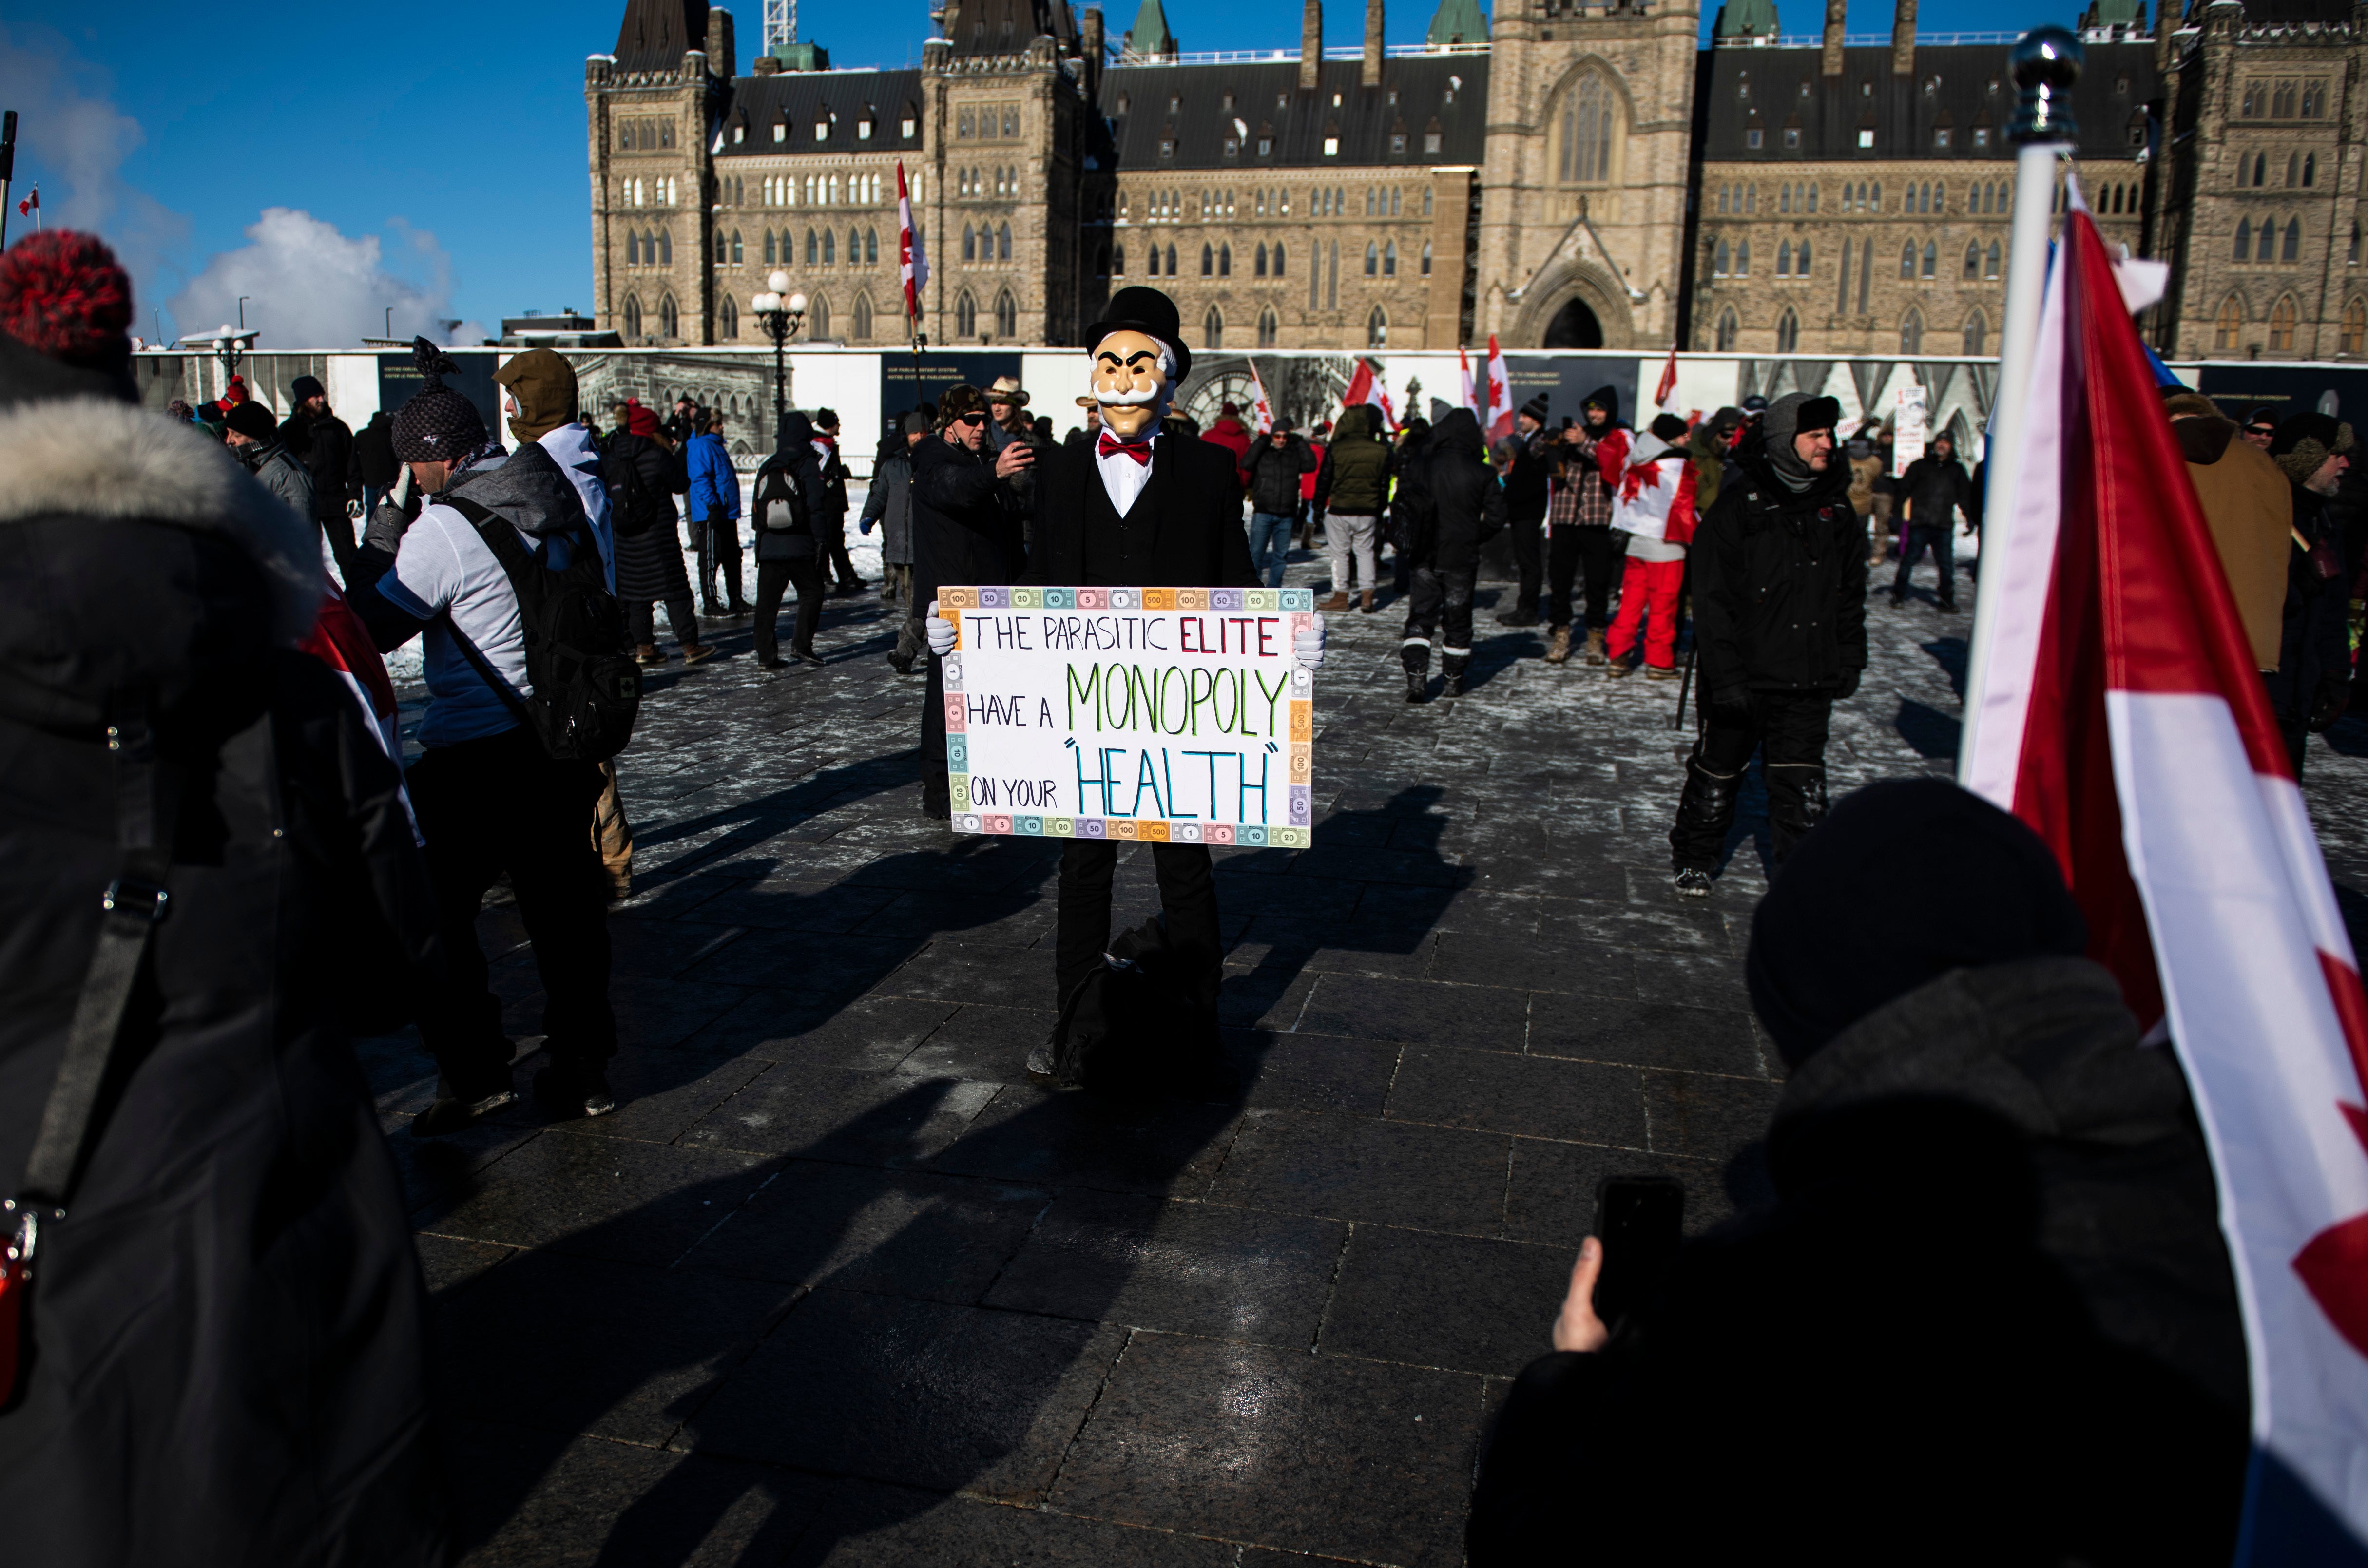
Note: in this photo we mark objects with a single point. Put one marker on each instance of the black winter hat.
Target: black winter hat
(1847, 927)
(438, 423)
(1670, 427)
(1604, 398)
(303, 387)
(1536, 408)
(1149, 312)
(252, 420)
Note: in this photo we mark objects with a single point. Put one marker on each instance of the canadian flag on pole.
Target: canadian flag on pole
(29, 204)
(1364, 387)
(1496, 414)
(912, 265)
(2119, 713)
(1463, 366)
(1261, 410)
(1668, 380)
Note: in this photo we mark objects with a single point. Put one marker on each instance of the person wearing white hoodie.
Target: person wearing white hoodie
(1653, 503)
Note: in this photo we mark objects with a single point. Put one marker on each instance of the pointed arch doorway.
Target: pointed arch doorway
(1574, 326)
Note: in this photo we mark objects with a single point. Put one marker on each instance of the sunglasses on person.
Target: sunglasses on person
(2260, 429)
(969, 419)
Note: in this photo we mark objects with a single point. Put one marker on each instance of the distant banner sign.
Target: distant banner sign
(1167, 715)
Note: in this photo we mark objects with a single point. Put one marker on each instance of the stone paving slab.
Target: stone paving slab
(836, 1286)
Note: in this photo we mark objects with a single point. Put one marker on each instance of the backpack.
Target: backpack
(778, 484)
(586, 690)
(633, 510)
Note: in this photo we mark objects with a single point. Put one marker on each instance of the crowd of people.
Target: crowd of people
(1990, 1287)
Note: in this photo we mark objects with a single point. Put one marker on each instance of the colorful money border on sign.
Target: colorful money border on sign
(1299, 604)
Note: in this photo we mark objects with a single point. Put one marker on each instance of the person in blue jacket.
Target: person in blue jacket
(714, 514)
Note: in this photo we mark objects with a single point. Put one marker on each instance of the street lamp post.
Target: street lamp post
(781, 315)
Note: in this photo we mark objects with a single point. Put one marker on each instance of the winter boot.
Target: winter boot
(1559, 651)
(1367, 606)
(1658, 672)
(1338, 602)
(1451, 667)
(1619, 669)
(699, 654)
(647, 653)
(1692, 882)
(1415, 654)
(1595, 646)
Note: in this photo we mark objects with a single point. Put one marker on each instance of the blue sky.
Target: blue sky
(333, 161)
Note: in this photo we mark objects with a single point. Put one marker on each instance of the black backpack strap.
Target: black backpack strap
(147, 801)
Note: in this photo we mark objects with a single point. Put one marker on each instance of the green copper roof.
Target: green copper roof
(1746, 18)
(1150, 35)
(1458, 21)
(2115, 13)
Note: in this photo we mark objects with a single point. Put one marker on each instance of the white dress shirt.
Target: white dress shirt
(1122, 477)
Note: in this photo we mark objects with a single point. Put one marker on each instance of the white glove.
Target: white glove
(1307, 647)
(941, 631)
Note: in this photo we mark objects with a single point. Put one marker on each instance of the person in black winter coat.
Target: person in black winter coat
(1522, 460)
(643, 475)
(1275, 461)
(1987, 1317)
(1449, 505)
(966, 530)
(324, 445)
(2311, 685)
(1779, 622)
(789, 549)
(1931, 493)
(224, 1354)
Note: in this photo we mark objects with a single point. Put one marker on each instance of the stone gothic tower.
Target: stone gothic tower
(1583, 189)
(649, 111)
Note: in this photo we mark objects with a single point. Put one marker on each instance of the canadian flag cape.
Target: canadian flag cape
(1653, 495)
(2118, 711)
(1497, 419)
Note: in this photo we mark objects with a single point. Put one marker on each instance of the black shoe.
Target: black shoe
(1692, 882)
(806, 657)
(573, 1091)
(939, 806)
(901, 666)
(1517, 618)
(737, 610)
(1948, 607)
(451, 1112)
(1044, 1068)
(772, 663)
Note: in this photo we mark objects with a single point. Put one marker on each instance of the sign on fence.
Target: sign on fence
(1170, 715)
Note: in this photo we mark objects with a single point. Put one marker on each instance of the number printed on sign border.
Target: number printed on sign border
(1292, 747)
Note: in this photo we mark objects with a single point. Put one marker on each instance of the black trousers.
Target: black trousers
(502, 804)
(1942, 542)
(340, 529)
(933, 733)
(772, 577)
(1439, 600)
(641, 618)
(830, 532)
(1187, 893)
(1528, 560)
(1788, 728)
(1574, 550)
(719, 551)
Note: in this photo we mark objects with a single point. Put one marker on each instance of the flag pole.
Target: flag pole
(2044, 62)
(7, 169)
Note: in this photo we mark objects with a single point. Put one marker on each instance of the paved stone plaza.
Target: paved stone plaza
(836, 1285)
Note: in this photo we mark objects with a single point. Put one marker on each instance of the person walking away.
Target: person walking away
(1520, 458)
(2313, 683)
(1456, 506)
(1309, 512)
(1351, 485)
(223, 1312)
(2248, 506)
(1414, 439)
(1779, 632)
(715, 515)
(638, 470)
(1275, 461)
(490, 799)
(788, 495)
(1654, 509)
(890, 503)
(324, 445)
(1230, 432)
(1582, 546)
(253, 439)
(966, 530)
(1933, 491)
(830, 524)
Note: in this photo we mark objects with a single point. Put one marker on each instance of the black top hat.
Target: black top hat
(1147, 310)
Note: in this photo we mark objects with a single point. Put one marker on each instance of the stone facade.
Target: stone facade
(1587, 177)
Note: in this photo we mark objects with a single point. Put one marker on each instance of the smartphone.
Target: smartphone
(1640, 1220)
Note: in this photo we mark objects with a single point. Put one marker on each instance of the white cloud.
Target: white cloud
(310, 286)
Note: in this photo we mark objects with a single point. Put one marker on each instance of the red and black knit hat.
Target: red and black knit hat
(63, 294)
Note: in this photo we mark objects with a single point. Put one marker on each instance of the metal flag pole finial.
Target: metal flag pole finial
(2044, 62)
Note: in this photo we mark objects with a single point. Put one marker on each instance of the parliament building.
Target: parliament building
(1568, 174)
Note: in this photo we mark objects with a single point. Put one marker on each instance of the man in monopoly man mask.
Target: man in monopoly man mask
(1136, 509)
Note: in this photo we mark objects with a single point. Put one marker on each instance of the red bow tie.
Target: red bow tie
(1139, 450)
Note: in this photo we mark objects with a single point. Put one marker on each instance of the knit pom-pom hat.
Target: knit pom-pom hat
(62, 293)
(438, 423)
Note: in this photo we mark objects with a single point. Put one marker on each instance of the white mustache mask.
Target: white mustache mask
(1128, 399)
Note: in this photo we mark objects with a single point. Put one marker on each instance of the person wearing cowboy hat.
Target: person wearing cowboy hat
(1007, 404)
(1138, 508)
(1090, 431)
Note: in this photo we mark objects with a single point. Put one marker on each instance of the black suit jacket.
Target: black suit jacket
(1197, 515)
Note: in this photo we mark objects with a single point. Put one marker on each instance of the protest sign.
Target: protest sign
(1908, 428)
(1167, 715)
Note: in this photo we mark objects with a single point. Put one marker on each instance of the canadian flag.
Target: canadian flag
(912, 265)
(1261, 410)
(1463, 366)
(2118, 712)
(1364, 387)
(1497, 413)
(1668, 381)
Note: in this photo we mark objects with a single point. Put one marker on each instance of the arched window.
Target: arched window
(1785, 259)
(633, 316)
(1257, 262)
(1911, 333)
(2283, 317)
(2309, 168)
(1426, 258)
(1154, 261)
(2294, 169)
(830, 248)
(1973, 260)
(862, 318)
(1788, 332)
(1007, 315)
(1278, 258)
(1743, 258)
(1586, 130)
(1390, 259)
(1373, 259)
(1268, 328)
(1908, 259)
(769, 257)
(2260, 168)
(1377, 329)
(670, 318)
(1213, 329)
(2293, 250)
(1224, 260)
(969, 244)
(737, 254)
(632, 247)
(2267, 247)
(2228, 323)
(1171, 261)
(729, 315)
(814, 249)
(854, 247)
(1990, 261)
(871, 246)
(2353, 337)
(666, 248)
(1002, 243)
(1208, 261)
(818, 317)
(1931, 260)
(1720, 260)
(965, 316)
(1977, 334)
(1118, 261)
(1726, 327)
(2352, 255)
(1801, 260)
